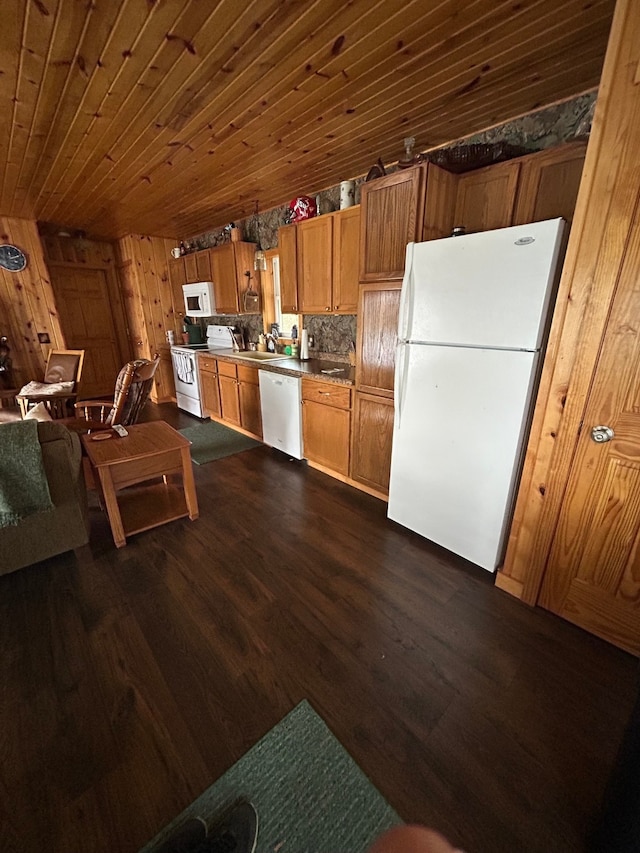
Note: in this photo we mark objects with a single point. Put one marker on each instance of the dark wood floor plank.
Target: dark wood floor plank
(132, 678)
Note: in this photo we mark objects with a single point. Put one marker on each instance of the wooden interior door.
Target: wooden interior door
(593, 574)
(82, 298)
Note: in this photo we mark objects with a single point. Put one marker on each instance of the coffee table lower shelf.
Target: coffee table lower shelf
(145, 478)
(144, 507)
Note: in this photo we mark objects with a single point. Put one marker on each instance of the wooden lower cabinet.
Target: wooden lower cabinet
(326, 424)
(249, 400)
(229, 396)
(209, 388)
(371, 438)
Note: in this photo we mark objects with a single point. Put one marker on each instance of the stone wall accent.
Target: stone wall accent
(334, 333)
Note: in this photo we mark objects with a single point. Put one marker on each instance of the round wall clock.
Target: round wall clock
(12, 258)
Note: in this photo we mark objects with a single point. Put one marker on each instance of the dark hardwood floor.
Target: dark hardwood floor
(133, 678)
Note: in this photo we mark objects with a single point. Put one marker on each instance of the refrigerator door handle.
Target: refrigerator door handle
(406, 296)
(400, 381)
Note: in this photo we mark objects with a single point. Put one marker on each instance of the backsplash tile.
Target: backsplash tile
(332, 334)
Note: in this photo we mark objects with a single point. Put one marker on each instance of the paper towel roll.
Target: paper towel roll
(304, 345)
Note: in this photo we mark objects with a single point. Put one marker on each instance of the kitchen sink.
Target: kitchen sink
(254, 355)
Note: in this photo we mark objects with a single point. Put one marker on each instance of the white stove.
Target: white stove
(184, 358)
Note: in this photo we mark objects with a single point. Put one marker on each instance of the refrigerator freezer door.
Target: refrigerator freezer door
(490, 289)
(457, 448)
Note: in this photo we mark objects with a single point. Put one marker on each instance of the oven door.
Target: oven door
(185, 374)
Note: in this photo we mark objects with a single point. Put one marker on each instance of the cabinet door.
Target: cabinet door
(223, 275)
(391, 211)
(325, 436)
(371, 438)
(287, 251)
(190, 267)
(203, 265)
(377, 337)
(315, 252)
(549, 183)
(250, 414)
(229, 399)
(210, 393)
(439, 203)
(486, 198)
(177, 277)
(346, 254)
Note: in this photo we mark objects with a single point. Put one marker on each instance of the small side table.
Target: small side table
(151, 451)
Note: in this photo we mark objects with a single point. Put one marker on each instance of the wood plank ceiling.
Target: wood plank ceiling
(170, 117)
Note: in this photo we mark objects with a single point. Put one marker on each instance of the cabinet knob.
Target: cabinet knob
(336, 307)
(295, 309)
(328, 308)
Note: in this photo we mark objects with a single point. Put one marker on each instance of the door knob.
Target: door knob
(601, 434)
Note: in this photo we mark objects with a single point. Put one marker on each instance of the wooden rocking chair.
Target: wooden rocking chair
(132, 390)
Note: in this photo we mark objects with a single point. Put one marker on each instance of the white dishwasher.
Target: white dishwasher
(281, 406)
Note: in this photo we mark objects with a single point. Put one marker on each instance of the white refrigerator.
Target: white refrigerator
(473, 317)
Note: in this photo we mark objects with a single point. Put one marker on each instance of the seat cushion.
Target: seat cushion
(41, 389)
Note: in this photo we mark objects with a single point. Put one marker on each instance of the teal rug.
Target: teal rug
(212, 440)
(310, 795)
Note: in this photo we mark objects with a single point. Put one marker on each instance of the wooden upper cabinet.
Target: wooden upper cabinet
(288, 254)
(486, 197)
(439, 203)
(391, 212)
(549, 182)
(176, 279)
(315, 264)
(377, 337)
(223, 275)
(197, 266)
(346, 239)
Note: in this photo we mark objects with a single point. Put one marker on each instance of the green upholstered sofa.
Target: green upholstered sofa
(62, 528)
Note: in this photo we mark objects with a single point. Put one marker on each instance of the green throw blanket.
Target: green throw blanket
(23, 482)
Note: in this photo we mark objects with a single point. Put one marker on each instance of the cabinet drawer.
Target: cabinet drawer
(247, 374)
(207, 363)
(227, 368)
(328, 393)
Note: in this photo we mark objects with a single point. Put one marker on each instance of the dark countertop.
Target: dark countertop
(312, 369)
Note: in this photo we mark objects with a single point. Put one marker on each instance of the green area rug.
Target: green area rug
(309, 793)
(212, 440)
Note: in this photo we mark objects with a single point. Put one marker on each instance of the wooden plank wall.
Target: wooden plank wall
(27, 303)
(143, 263)
(606, 202)
(148, 298)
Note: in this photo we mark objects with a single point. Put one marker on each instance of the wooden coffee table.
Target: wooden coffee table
(151, 451)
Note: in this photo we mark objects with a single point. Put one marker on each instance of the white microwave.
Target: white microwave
(199, 299)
